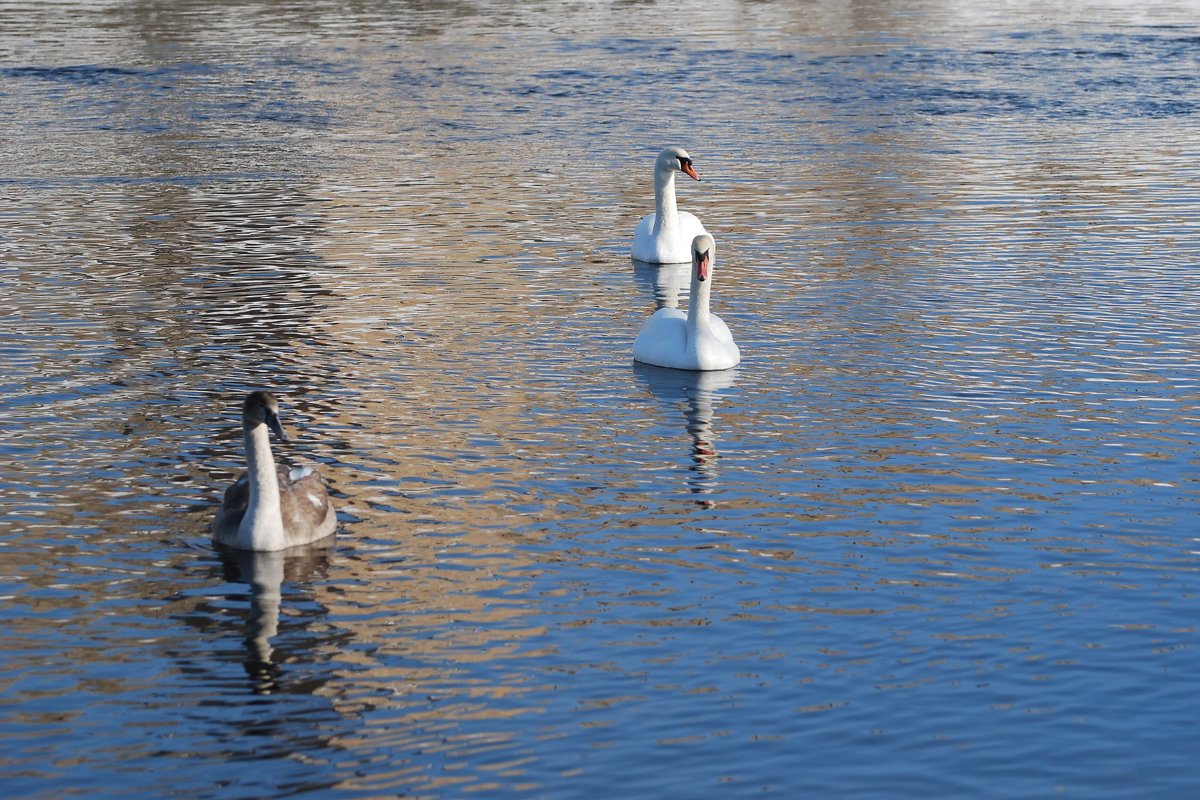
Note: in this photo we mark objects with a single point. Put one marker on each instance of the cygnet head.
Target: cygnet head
(262, 408)
(704, 253)
(676, 158)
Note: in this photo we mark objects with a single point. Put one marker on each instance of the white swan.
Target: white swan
(271, 507)
(664, 236)
(698, 340)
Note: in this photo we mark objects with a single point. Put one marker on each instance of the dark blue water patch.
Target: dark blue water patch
(1164, 47)
(212, 179)
(1110, 76)
(1159, 109)
(402, 75)
(86, 74)
(179, 96)
(627, 46)
(566, 75)
(938, 101)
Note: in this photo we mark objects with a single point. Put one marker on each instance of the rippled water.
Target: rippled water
(934, 537)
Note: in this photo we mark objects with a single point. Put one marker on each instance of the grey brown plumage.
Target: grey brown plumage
(286, 507)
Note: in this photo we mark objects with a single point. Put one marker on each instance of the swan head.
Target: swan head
(261, 408)
(676, 159)
(704, 252)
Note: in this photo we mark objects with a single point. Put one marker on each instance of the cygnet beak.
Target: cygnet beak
(273, 423)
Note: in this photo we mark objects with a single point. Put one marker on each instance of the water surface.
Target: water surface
(935, 536)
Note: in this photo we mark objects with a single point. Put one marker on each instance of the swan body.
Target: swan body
(271, 507)
(697, 340)
(665, 236)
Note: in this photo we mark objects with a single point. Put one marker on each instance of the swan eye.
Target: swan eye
(684, 163)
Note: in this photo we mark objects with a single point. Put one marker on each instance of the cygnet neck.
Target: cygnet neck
(262, 519)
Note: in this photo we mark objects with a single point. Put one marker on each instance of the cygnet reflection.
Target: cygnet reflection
(265, 572)
(663, 282)
(698, 392)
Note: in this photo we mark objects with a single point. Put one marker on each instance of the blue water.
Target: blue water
(934, 537)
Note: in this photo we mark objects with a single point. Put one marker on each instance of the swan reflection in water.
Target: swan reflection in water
(265, 572)
(698, 392)
(664, 282)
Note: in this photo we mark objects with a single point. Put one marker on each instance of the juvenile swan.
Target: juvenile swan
(271, 507)
(698, 340)
(664, 236)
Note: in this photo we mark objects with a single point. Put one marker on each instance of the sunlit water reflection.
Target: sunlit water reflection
(934, 536)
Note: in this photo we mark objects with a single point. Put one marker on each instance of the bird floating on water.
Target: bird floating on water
(664, 236)
(271, 507)
(697, 340)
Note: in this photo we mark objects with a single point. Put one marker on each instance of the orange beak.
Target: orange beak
(702, 264)
(691, 171)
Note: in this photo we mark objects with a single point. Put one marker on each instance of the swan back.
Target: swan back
(271, 507)
(698, 340)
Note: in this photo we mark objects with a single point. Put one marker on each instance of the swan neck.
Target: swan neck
(698, 314)
(665, 210)
(263, 519)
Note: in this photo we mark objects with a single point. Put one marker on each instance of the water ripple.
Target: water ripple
(941, 514)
